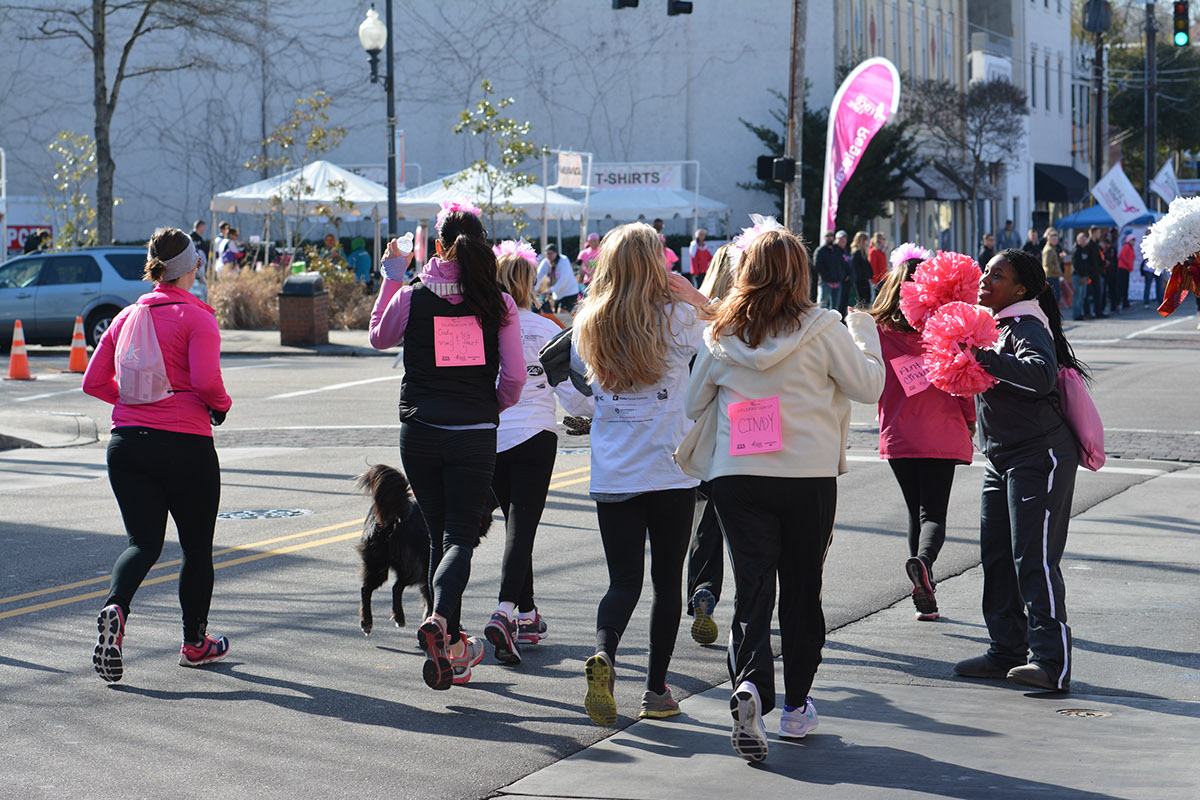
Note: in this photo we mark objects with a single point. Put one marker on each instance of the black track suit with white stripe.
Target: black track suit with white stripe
(1029, 480)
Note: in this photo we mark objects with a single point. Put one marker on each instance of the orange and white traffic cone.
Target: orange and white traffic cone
(18, 362)
(79, 356)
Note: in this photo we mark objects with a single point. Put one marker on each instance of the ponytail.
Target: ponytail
(464, 241)
(1032, 276)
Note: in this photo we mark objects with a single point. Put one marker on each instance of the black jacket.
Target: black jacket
(861, 267)
(1020, 413)
(1083, 261)
(985, 255)
(831, 265)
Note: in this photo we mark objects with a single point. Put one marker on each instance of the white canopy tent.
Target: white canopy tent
(423, 202)
(320, 187)
(639, 203)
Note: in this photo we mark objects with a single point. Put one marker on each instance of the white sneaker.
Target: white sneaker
(797, 722)
(749, 737)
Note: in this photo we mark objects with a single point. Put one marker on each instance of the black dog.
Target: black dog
(395, 537)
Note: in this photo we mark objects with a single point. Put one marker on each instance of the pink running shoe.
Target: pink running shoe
(531, 631)
(106, 658)
(208, 651)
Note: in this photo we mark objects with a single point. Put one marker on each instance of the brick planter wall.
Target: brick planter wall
(304, 320)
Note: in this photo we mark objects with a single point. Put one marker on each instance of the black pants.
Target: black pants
(1118, 289)
(1095, 296)
(925, 483)
(520, 484)
(451, 474)
(1025, 510)
(566, 303)
(154, 473)
(666, 519)
(706, 553)
(777, 529)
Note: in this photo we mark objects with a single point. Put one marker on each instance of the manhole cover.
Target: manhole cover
(264, 513)
(1083, 712)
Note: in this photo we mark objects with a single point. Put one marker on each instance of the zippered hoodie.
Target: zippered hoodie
(191, 346)
(1020, 411)
(814, 371)
(928, 424)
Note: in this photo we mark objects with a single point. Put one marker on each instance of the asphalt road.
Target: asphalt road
(306, 706)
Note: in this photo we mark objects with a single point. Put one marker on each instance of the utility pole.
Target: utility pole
(391, 127)
(1098, 115)
(792, 201)
(1151, 98)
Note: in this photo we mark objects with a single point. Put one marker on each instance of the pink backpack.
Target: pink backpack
(1082, 417)
(141, 371)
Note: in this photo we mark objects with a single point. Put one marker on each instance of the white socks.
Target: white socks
(508, 609)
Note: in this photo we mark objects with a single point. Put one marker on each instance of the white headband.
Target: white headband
(181, 264)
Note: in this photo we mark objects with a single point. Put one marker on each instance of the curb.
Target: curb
(52, 429)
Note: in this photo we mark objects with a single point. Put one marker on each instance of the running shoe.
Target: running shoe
(749, 737)
(601, 680)
(704, 628)
(658, 706)
(796, 723)
(106, 658)
(208, 651)
(502, 633)
(531, 631)
(472, 655)
(922, 593)
(438, 672)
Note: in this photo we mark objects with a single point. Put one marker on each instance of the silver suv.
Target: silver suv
(46, 291)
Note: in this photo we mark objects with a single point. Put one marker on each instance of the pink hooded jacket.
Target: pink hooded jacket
(931, 423)
(191, 347)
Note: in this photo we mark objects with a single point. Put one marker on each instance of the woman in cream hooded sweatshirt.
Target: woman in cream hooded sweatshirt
(781, 374)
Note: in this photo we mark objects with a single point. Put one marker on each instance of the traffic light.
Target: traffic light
(770, 168)
(765, 168)
(675, 7)
(617, 4)
(1182, 34)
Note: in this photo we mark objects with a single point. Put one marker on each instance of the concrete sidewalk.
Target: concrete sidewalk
(896, 723)
(266, 343)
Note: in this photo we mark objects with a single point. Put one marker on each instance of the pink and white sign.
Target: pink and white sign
(911, 372)
(755, 427)
(1116, 195)
(457, 342)
(863, 103)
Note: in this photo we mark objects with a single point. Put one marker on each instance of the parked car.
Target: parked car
(47, 290)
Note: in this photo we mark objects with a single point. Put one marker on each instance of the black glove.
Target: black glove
(577, 426)
(217, 417)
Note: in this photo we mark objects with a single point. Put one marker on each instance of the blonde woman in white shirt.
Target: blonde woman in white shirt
(526, 444)
(782, 374)
(636, 333)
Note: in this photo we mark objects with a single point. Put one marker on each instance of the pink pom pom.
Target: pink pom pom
(518, 247)
(949, 367)
(450, 206)
(945, 278)
(960, 323)
(956, 372)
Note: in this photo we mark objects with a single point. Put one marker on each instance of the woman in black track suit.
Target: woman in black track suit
(1029, 480)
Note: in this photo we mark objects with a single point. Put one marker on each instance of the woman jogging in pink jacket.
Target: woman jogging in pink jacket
(161, 457)
(923, 434)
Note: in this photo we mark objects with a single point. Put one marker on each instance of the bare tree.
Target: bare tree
(137, 20)
(969, 135)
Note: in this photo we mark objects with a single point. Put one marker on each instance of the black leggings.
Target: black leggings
(706, 553)
(451, 474)
(666, 517)
(925, 483)
(778, 530)
(520, 483)
(153, 473)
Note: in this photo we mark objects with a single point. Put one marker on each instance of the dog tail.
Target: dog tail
(389, 493)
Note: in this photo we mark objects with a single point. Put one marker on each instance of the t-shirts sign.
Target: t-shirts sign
(910, 370)
(755, 427)
(457, 342)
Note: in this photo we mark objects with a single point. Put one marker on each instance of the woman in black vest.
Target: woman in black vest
(459, 333)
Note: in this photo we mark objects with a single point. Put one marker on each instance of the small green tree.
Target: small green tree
(71, 211)
(506, 140)
(292, 146)
(1178, 93)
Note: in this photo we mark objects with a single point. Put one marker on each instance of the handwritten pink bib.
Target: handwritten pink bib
(457, 342)
(911, 372)
(755, 427)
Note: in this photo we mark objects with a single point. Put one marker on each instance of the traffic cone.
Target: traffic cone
(79, 356)
(18, 363)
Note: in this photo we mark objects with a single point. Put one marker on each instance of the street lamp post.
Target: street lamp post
(1097, 17)
(375, 35)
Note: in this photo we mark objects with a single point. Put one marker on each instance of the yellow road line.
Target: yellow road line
(222, 564)
(176, 561)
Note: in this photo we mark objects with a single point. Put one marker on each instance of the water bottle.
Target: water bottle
(406, 243)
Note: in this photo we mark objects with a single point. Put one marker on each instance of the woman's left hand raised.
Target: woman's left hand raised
(682, 288)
